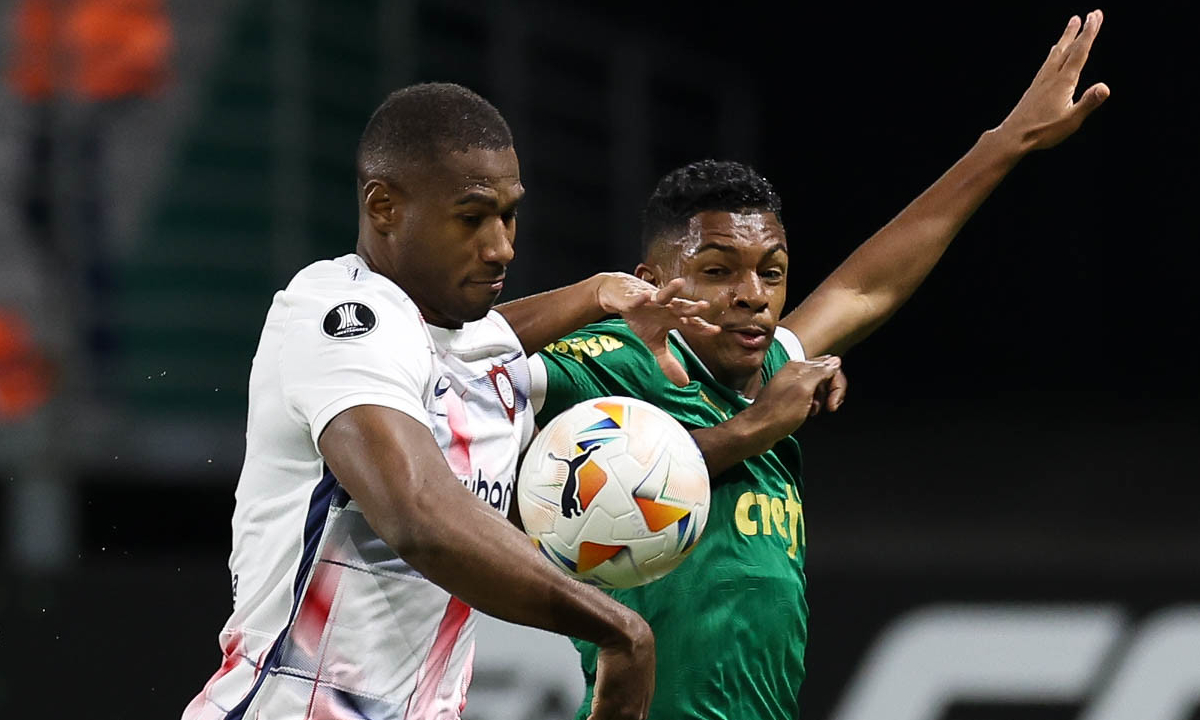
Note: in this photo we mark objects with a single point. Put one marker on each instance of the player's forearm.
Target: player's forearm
(884, 271)
(797, 391)
(728, 443)
(721, 447)
(893, 262)
(539, 320)
(392, 467)
(493, 567)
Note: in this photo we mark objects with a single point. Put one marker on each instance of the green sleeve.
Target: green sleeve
(599, 360)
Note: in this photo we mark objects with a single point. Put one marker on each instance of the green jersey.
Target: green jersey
(730, 622)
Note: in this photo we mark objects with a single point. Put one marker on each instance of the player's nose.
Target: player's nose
(750, 292)
(497, 244)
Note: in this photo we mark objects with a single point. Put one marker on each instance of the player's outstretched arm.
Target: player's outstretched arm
(651, 312)
(885, 270)
(797, 392)
(392, 467)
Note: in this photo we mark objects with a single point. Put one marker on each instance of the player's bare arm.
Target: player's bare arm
(797, 392)
(651, 312)
(884, 271)
(392, 467)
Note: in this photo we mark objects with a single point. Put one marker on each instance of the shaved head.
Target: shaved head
(419, 124)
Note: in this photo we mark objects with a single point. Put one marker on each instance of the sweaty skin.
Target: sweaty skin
(737, 263)
(445, 233)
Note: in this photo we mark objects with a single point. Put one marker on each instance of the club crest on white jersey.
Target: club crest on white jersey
(504, 389)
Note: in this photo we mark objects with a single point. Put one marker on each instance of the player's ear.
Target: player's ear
(383, 204)
(647, 273)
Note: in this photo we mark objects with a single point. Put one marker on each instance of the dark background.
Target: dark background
(1024, 429)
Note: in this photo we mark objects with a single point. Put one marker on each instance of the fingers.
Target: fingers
(687, 313)
(638, 300)
(825, 383)
(668, 291)
(830, 369)
(1069, 33)
(670, 365)
(667, 296)
(682, 307)
(817, 370)
(1091, 99)
(1054, 59)
(1077, 53)
(837, 391)
(700, 325)
(830, 365)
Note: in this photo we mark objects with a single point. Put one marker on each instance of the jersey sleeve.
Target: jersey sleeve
(537, 383)
(598, 361)
(352, 344)
(790, 342)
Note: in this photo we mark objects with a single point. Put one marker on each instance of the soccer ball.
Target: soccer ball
(614, 492)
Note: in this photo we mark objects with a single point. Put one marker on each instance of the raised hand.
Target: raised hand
(651, 313)
(1048, 113)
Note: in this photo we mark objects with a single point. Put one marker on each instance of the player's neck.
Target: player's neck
(428, 314)
(745, 382)
(745, 385)
(752, 386)
(376, 262)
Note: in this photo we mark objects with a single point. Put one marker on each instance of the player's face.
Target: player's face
(738, 263)
(456, 237)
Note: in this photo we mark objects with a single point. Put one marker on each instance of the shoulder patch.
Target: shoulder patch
(349, 320)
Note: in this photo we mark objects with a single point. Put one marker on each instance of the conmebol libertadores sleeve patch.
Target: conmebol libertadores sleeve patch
(349, 320)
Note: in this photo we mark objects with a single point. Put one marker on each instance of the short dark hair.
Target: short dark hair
(725, 186)
(421, 122)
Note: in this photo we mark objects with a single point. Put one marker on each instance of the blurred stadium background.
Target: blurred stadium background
(1003, 519)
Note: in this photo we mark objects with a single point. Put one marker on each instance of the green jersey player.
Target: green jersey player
(736, 605)
(731, 621)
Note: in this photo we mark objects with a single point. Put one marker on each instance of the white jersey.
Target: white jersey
(328, 622)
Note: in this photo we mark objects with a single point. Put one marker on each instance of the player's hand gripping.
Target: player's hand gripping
(798, 391)
(625, 677)
(651, 313)
(1047, 113)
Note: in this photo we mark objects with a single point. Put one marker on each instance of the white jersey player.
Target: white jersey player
(317, 593)
(388, 408)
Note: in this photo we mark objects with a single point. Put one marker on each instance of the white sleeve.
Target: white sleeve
(537, 382)
(354, 344)
(790, 342)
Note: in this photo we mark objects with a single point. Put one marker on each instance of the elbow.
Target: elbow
(399, 527)
(412, 532)
(392, 531)
(870, 304)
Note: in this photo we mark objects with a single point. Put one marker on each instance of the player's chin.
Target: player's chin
(478, 300)
(743, 358)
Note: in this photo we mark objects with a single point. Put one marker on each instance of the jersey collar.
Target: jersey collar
(691, 355)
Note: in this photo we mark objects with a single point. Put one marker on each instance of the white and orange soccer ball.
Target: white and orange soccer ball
(614, 492)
